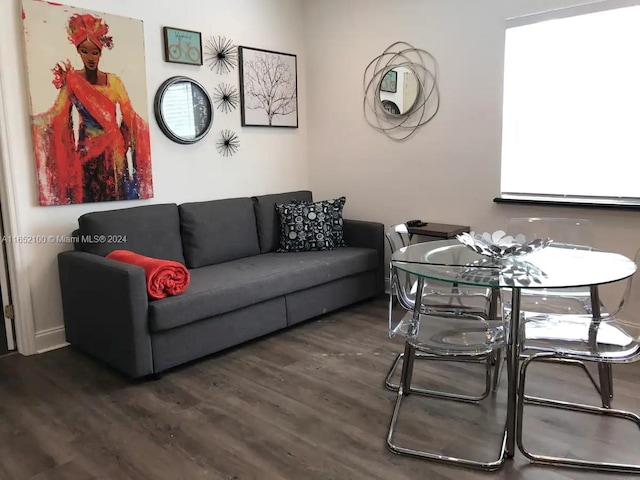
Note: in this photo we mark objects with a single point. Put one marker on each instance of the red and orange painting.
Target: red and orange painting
(87, 88)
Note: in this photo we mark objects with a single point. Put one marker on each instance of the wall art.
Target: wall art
(88, 104)
(226, 97)
(221, 54)
(401, 90)
(268, 88)
(183, 110)
(228, 143)
(182, 46)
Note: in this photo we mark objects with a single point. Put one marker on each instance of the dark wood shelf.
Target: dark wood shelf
(440, 230)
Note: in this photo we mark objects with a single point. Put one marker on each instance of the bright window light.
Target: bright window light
(571, 114)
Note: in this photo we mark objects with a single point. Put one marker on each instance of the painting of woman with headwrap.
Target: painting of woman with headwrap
(91, 143)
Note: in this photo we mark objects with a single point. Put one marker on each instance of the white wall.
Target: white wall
(448, 171)
(269, 160)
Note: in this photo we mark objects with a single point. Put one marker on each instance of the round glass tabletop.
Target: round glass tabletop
(556, 266)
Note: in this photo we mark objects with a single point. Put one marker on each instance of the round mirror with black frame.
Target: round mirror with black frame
(183, 110)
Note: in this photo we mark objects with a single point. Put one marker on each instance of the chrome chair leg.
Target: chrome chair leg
(403, 390)
(605, 373)
(497, 369)
(577, 363)
(562, 461)
(489, 366)
(605, 397)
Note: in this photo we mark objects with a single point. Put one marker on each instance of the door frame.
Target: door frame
(18, 288)
(5, 290)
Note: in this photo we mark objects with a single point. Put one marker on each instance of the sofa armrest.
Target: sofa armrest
(364, 234)
(105, 307)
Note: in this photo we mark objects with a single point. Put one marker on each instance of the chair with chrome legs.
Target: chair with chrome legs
(444, 335)
(436, 297)
(572, 232)
(602, 339)
(546, 304)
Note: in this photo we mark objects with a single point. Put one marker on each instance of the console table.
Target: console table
(437, 231)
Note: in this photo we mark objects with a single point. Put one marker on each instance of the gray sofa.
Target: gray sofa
(240, 287)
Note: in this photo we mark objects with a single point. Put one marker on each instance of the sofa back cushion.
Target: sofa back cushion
(151, 230)
(267, 217)
(218, 231)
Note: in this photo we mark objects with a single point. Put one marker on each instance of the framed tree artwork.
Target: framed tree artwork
(268, 88)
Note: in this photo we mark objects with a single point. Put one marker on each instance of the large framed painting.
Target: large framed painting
(88, 100)
(268, 88)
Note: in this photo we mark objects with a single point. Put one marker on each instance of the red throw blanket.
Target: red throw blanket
(164, 277)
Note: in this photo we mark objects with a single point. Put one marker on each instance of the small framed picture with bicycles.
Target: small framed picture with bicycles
(182, 46)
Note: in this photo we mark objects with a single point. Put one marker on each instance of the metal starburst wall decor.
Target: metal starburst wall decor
(226, 97)
(221, 54)
(228, 143)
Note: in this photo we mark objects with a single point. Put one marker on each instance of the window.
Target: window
(571, 112)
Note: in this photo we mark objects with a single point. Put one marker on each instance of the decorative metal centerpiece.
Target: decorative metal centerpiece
(511, 271)
(500, 245)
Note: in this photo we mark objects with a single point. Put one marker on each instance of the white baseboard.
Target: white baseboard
(50, 339)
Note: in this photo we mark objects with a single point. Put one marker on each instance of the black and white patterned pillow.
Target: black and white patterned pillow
(306, 226)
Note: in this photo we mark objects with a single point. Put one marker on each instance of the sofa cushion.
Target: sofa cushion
(218, 231)
(221, 288)
(267, 217)
(151, 230)
(306, 226)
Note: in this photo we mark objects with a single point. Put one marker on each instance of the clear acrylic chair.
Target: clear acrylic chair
(444, 335)
(574, 233)
(437, 297)
(602, 339)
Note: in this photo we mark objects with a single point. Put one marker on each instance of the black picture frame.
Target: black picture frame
(255, 109)
(389, 82)
(182, 46)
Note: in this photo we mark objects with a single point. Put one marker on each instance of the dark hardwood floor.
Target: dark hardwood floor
(305, 403)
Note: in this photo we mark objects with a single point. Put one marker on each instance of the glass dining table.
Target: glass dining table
(556, 266)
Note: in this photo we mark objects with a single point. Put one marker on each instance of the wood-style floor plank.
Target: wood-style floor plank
(304, 403)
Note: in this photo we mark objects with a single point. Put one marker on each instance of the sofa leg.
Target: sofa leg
(152, 377)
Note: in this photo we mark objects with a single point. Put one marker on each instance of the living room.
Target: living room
(448, 171)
